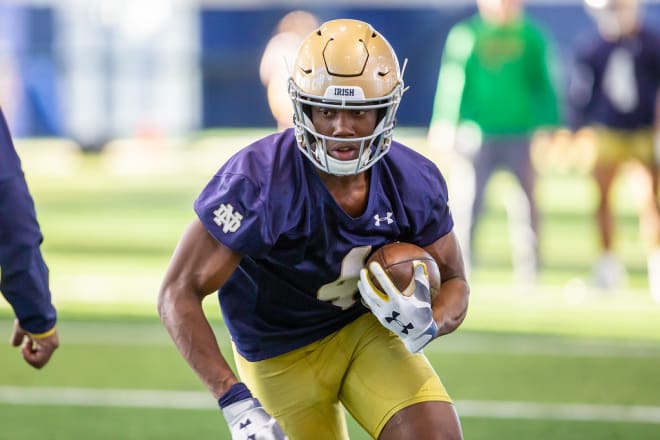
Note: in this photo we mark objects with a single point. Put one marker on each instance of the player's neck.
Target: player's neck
(350, 192)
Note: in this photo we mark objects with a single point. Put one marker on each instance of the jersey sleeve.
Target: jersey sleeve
(24, 281)
(235, 212)
(582, 82)
(438, 220)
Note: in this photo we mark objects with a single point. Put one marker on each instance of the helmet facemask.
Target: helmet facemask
(338, 67)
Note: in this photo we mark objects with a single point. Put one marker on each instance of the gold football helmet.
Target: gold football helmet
(345, 64)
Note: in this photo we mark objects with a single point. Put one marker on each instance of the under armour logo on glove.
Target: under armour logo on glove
(410, 317)
(394, 318)
(244, 425)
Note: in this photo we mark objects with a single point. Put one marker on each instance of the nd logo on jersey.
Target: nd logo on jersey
(227, 218)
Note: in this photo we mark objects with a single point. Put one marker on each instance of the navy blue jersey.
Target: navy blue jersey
(24, 281)
(615, 83)
(301, 252)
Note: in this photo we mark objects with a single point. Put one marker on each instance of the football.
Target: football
(396, 259)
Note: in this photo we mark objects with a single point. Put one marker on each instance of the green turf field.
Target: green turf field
(562, 361)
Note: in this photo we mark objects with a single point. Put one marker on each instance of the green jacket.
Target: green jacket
(497, 77)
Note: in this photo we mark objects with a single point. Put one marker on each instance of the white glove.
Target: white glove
(248, 420)
(410, 317)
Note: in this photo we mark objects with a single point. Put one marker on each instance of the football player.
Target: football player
(614, 89)
(24, 281)
(282, 233)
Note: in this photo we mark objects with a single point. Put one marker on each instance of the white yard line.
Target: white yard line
(155, 335)
(125, 398)
(559, 411)
(193, 400)
(528, 345)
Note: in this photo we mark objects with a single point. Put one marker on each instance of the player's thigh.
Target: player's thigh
(641, 143)
(609, 159)
(384, 378)
(300, 390)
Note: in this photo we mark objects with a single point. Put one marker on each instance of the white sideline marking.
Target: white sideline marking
(203, 401)
(558, 411)
(111, 397)
(155, 335)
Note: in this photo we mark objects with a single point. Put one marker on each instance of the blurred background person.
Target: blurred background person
(613, 92)
(24, 282)
(494, 91)
(277, 59)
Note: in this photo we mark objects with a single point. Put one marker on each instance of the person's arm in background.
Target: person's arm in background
(580, 92)
(450, 86)
(550, 123)
(545, 68)
(579, 98)
(656, 125)
(24, 280)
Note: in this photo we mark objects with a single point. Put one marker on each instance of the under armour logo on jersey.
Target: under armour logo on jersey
(227, 218)
(387, 218)
(395, 318)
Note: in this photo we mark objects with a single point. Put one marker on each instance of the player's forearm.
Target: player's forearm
(26, 290)
(184, 319)
(450, 306)
(24, 279)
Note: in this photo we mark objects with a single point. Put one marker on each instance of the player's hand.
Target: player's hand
(410, 317)
(36, 350)
(248, 420)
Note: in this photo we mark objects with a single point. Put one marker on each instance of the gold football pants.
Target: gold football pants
(363, 368)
